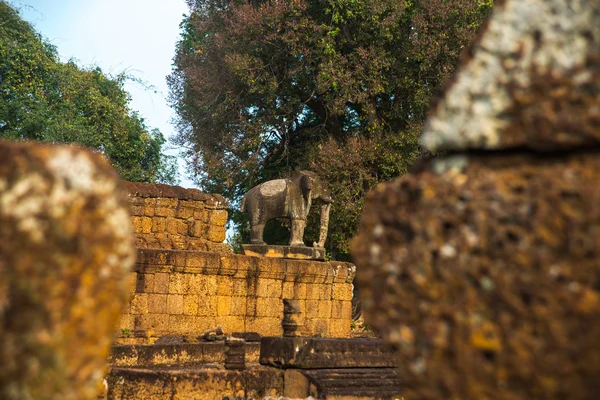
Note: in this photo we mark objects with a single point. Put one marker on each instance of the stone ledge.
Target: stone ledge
(240, 266)
(355, 383)
(167, 383)
(292, 252)
(188, 354)
(145, 190)
(309, 353)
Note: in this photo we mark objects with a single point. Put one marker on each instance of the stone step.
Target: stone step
(311, 353)
(193, 383)
(185, 354)
(348, 383)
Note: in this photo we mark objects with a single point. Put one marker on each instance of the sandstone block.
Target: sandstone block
(190, 304)
(167, 202)
(164, 212)
(238, 305)
(174, 304)
(139, 303)
(136, 210)
(217, 217)
(183, 324)
(207, 306)
(311, 309)
(342, 291)
(264, 326)
(232, 323)
(300, 291)
(161, 282)
(224, 285)
(64, 225)
(251, 306)
(150, 202)
(287, 291)
(182, 227)
(179, 242)
(137, 224)
(149, 210)
(144, 283)
(146, 225)
(341, 309)
(157, 303)
(194, 205)
(216, 233)
(325, 292)
(339, 328)
(197, 228)
(159, 224)
(201, 215)
(269, 288)
(125, 322)
(152, 322)
(240, 287)
(269, 307)
(184, 212)
(177, 283)
(324, 309)
(171, 225)
(224, 305)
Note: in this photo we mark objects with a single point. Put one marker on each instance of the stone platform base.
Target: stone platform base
(295, 252)
(194, 383)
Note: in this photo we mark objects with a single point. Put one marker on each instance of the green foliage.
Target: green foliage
(341, 87)
(44, 99)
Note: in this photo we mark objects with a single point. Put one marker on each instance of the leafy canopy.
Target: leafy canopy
(340, 87)
(46, 100)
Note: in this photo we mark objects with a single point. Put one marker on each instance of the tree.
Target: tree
(340, 87)
(44, 99)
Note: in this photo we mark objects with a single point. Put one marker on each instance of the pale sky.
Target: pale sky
(136, 36)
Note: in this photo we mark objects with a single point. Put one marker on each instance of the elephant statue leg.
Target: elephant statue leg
(256, 234)
(297, 233)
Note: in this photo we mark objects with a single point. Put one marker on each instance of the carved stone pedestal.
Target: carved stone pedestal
(297, 252)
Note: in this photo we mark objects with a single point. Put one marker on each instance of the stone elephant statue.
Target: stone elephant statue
(287, 198)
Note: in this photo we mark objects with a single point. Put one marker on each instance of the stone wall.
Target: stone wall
(171, 217)
(187, 292)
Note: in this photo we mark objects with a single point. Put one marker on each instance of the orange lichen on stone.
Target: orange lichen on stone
(65, 255)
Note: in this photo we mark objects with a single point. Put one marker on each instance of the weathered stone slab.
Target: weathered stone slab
(295, 252)
(247, 336)
(484, 271)
(193, 383)
(354, 383)
(66, 250)
(309, 353)
(532, 80)
(186, 354)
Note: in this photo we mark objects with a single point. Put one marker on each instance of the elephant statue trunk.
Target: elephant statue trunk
(325, 208)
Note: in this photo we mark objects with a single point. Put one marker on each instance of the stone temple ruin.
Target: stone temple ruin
(196, 321)
(480, 267)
